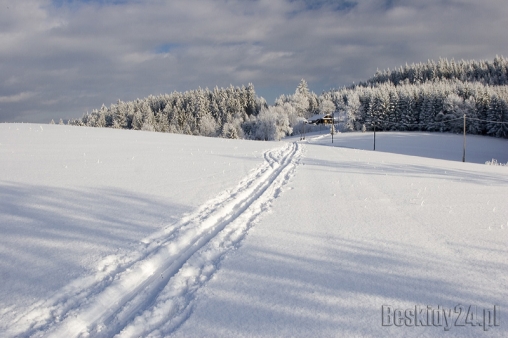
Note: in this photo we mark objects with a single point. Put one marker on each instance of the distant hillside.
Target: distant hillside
(433, 96)
(488, 73)
(217, 112)
(430, 97)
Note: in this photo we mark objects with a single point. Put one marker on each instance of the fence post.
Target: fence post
(333, 126)
(374, 136)
(464, 147)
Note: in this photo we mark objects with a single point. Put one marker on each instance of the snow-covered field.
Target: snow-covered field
(114, 232)
(435, 145)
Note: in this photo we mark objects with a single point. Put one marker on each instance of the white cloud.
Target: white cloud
(16, 97)
(81, 55)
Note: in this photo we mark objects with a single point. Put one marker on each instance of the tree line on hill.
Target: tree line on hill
(424, 97)
(431, 97)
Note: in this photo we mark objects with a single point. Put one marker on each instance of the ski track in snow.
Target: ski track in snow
(150, 291)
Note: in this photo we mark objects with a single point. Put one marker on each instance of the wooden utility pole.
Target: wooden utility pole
(374, 136)
(333, 126)
(464, 148)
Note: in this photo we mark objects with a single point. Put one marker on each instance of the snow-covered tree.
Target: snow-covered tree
(453, 109)
(208, 126)
(498, 118)
(266, 125)
(352, 108)
(272, 124)
(137, 120)
(327, 107)
(230, 131)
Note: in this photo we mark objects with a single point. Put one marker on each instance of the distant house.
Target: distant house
(325, 119)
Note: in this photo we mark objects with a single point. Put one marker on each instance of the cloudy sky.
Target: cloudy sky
(61, 58)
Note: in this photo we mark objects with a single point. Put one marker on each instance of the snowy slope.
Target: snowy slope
(74, 202)
(355, 230)
(435, 145)
(112, 232)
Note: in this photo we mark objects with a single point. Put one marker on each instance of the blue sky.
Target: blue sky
(61, 58)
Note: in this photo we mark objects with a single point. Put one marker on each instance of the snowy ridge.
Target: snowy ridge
(150, 291)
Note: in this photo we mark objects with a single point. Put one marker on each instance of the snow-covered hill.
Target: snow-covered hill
(115, 232)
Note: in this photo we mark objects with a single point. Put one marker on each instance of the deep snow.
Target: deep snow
(71, 196)
(356, 230)
(111, 232)
(445, 146)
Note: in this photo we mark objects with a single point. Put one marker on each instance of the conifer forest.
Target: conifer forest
(432, 96)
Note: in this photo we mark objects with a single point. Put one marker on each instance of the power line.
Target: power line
(451, 120)
(494, 122)
(418, 125)
(437, 122)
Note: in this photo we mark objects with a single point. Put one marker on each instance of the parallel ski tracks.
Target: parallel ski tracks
(150, 291)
